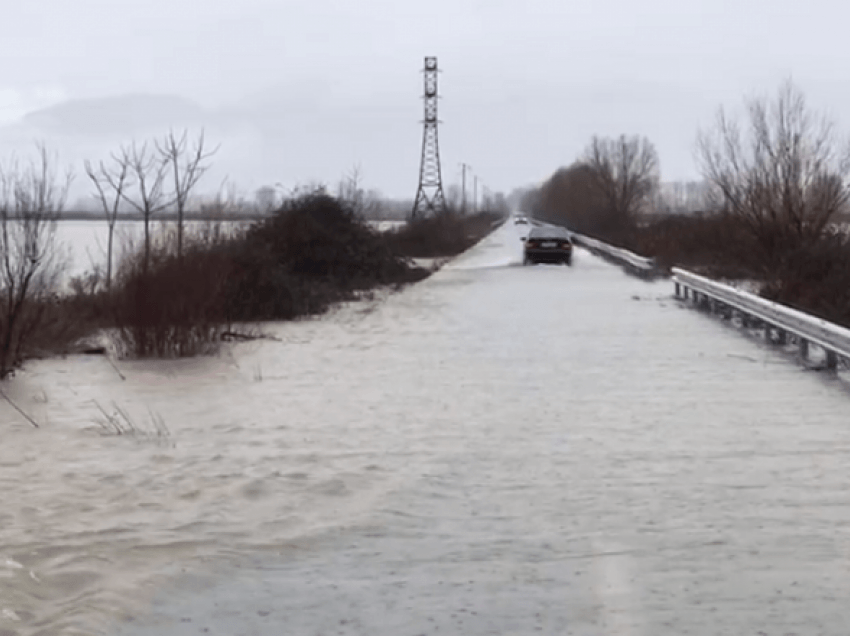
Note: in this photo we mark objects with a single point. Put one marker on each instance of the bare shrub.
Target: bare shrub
(440, 235)
(262, 289)
(318, 236)
(815, 278)
(163, 306)
(31, 197)
(783, 176)
(170, 306)
(712, 244)
(314, 251)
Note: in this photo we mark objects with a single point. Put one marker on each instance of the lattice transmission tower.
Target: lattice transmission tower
(429, 195)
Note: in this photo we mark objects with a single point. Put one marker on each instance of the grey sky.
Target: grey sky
(304, 90)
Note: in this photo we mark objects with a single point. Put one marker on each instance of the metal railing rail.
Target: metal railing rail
(805, 328)
(640, 265)
(627, 257)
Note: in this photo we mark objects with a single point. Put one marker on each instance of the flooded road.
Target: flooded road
(497, 450)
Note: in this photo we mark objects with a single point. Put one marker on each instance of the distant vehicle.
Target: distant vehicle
(548, 245)
(521, 220)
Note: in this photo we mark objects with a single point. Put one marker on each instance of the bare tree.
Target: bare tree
(784, 177)
(109, 184)
(31, 198)
(149, 170)
(625, 171)
(187, 164)
(350, 187)
(366, 204)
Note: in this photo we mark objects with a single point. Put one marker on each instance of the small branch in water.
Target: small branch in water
(235, 335)
(18, 409)
(118, 423)
(117, 370)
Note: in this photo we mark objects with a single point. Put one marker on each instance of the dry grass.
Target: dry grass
(118, 422)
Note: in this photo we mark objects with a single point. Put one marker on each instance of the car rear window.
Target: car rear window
(549, 233)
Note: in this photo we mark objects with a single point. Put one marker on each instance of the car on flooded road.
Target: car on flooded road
(548, 244)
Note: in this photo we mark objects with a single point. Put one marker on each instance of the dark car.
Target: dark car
(548, 245)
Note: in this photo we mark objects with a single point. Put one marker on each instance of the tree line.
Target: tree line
(777, 177)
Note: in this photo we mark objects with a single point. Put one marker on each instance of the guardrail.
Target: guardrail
(777, 320)
(635, 264)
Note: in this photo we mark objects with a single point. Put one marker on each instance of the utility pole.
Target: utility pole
(463, 167)
(429, 194)
(475, 196)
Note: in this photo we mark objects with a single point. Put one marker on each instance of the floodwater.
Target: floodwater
(84, 243)
(496, 450)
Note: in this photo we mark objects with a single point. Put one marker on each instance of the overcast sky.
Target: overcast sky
(313, 87)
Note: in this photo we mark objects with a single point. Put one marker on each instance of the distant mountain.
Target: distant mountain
(120, 115)
(296, 134)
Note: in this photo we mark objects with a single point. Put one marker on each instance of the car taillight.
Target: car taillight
(566, 245)
(531, 243)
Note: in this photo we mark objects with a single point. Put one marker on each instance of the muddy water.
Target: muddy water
(499, 449)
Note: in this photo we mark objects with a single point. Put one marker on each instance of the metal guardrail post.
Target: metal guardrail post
(831, 360)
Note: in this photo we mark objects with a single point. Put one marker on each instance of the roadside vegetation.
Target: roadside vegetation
(32, 195)
(441, 235)
(770, 210)
(180, 290)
